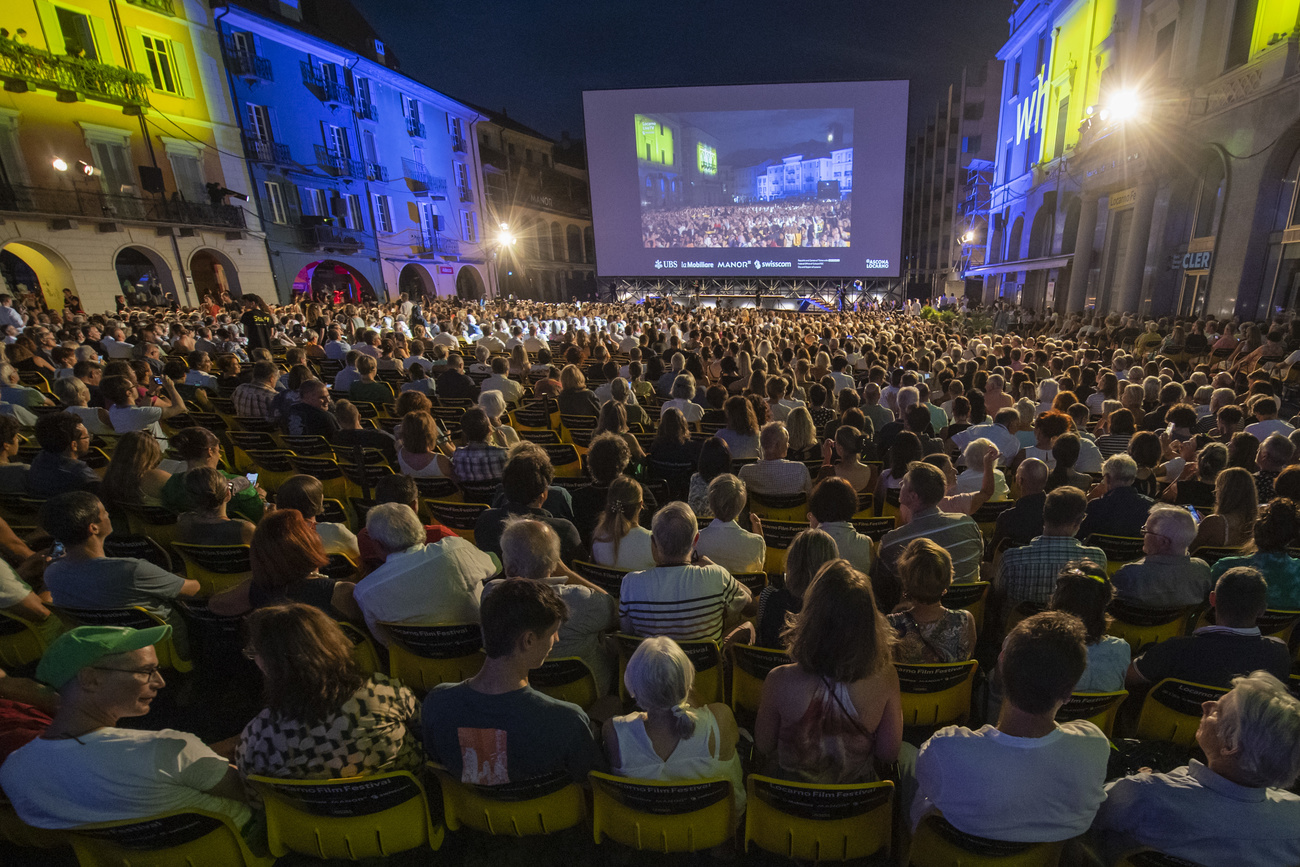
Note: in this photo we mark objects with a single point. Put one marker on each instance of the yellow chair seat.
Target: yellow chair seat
(661, 816)
(819, 822)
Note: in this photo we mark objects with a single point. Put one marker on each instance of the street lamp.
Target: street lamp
(60, 164)
(1123, 105)
(504, 241)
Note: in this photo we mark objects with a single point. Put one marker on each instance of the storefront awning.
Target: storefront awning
(1022, 265)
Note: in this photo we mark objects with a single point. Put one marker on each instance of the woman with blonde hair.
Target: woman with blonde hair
(808, 552)
(133, 477)
(803, 435)
(668, 739)
(1236, 507)
(417, 444)
(493, 403)
(520, 364)
(927, 632)
(574, 397)
(619, 540)
(835, 712)
(206, 523)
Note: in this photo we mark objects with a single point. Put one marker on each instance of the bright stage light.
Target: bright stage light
(968, 237)
(60, 165)
(1124, 105)
(506, 239)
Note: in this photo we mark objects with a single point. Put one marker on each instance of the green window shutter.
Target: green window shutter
(105, 46)
(135, 42)
(50, 24)
(181, 58)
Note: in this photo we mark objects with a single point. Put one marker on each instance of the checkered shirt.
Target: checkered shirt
(478, 462)
(1029, 573)
(253, 400)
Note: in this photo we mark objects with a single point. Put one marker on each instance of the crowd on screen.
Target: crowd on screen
(1014, 458)
(770, 224)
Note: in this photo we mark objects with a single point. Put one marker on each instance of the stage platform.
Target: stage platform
(776, 294)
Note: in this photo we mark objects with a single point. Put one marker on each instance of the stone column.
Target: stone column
(1083, 241)
(1129, 288)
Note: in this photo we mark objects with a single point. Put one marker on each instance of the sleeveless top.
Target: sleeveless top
(691, 759)
(828, 744)
(431, 470)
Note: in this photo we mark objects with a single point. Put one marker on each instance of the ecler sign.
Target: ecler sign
(1192, 261)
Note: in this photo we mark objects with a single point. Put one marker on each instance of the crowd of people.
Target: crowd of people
(1064, 440)
(768, 224)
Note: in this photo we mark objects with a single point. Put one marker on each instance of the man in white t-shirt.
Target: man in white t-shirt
(984, 780)
(126, 416)
(85, 769)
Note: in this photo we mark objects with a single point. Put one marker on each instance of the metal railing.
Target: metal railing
(414, 127)
(326, 89)
(339, 165)
(458, 144)
(244, 63)
(466, 194)
(23, 67)
(366, 110)
(438, 245)
(96, 205)
(376, 172)
(330, 238)
(265, 151)
(163, 6)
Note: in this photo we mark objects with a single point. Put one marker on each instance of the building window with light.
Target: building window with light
(275, 210)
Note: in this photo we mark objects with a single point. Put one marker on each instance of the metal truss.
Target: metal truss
(736, 292)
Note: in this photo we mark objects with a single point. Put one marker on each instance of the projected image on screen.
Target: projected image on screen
(745, 178)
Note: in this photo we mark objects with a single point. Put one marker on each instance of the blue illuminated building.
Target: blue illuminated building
(366, 180)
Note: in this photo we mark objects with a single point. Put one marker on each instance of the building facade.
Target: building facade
(1147, 158)
(119, 153)
(537, 194)
(946, 192)
(367, 180)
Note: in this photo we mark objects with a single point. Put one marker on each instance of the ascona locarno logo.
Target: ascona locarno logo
(877, 263)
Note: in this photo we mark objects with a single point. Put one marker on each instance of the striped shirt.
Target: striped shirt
(1029, 573)
(686, 603)
(957, 534)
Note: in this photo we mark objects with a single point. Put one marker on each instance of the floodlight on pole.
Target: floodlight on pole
(60, 164)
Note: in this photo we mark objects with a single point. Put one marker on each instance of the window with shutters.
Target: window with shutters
(259, 123)
(188, 171)
(428, 222)
(469, 226)
(78, 38)
(275, 203)
(114, 162)
(313, 201)
(462, 181)
(355, 220)
(384, 212)
(337, 141)
(161, 58)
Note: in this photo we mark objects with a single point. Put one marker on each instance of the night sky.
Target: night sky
(535, 57)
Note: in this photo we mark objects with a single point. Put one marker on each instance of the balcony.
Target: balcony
(245, 64)
(458, 144)
(339, 165)
(327, 90)
(438, 245)
(466, 194)
(376, 172)
(366, 110)
(163, 6)
(95, 205)
(73, 79)
(330, 239)
(414, 127)
(265, 151)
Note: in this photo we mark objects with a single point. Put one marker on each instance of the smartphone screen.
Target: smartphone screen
(157, 380)
(252, 478)
(1195, 514)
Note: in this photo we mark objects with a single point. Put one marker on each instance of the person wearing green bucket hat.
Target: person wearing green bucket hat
(84, 768)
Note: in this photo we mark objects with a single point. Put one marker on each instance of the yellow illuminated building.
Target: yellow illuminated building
(119, 151)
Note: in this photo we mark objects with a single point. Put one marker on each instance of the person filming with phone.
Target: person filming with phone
(120, 395)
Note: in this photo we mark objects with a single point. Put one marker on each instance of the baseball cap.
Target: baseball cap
(84, 646)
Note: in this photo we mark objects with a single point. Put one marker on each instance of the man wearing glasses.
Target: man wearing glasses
(84, 768)
(1166, 576)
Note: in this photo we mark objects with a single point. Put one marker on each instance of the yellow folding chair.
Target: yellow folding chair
(1278, 623)
(778, 535)
(1141, 626)
(1118, 549)
(369, 816)
(792, 508)
(1152, 858)
(938, 843)
(155, 522)
(936, 694)
(705, 655)
(660, 816)
(215, 567)
(750, 666)
(22, 641)
(461, 517)
(19, 833)
(195, 838)
(273, 467)
(525, 809)
(423, 655)
(567, 678)
(1171, 711)
(809, 822)
(326, 470)
(1098, 708)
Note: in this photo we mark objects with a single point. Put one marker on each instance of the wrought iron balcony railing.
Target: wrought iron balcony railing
(163, 6)
(266, 151)
(438, 245)
(466, 194)
(23, 67)
(376, 172)
(95, 205)
(414, 127)
(330, 238)
(326, 89)
(339, 165)
(366, 110)
(244, 63)
(458, 144)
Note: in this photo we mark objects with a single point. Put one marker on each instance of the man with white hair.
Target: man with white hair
(1166, 577)
(1233, 809)
(1001, 431)
(1121, 511)
(685, 596)
(773, 475)
(419, 582)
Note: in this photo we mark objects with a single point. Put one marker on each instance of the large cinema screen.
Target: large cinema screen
(783, 180)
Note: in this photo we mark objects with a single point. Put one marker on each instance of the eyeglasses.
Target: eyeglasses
(147, 673)
(1148, 532)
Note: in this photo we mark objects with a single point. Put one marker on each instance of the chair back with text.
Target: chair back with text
(750, 665)
(1212, 554)
(1118, 549)
(140, 547)
(788, 507)
(567, 678)
(194, 838)
(705, 655)
(424, 655)
(606, 578)
(936, 694)
(937, 842)
(1098, 708)
(970, 596)
(1141, 626)
(215, 567)
(809, 822)
(660, 816)
(1171, 711)
(358, 817)
(873, 527)
(778, 535)
(542, 805)
(461, 517)
(1278, 623)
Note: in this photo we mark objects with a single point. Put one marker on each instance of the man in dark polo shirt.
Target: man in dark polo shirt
(1232, 647)
(454, 382)
(58, 467)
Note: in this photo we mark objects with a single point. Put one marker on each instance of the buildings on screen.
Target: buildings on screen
(946, 188)
(1148, 158)
(827, 175)
(537, 188)
(677, 163)
(118, 149)
(367, 180)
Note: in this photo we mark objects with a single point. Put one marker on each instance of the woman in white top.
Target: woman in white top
(417, 444)
(972, 478)
(668, 739)
(306, 495)
(619, 540)
(493, 403)
(1084, 590)
(683, 391)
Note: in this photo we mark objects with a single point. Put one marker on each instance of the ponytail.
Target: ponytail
(618, 517)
